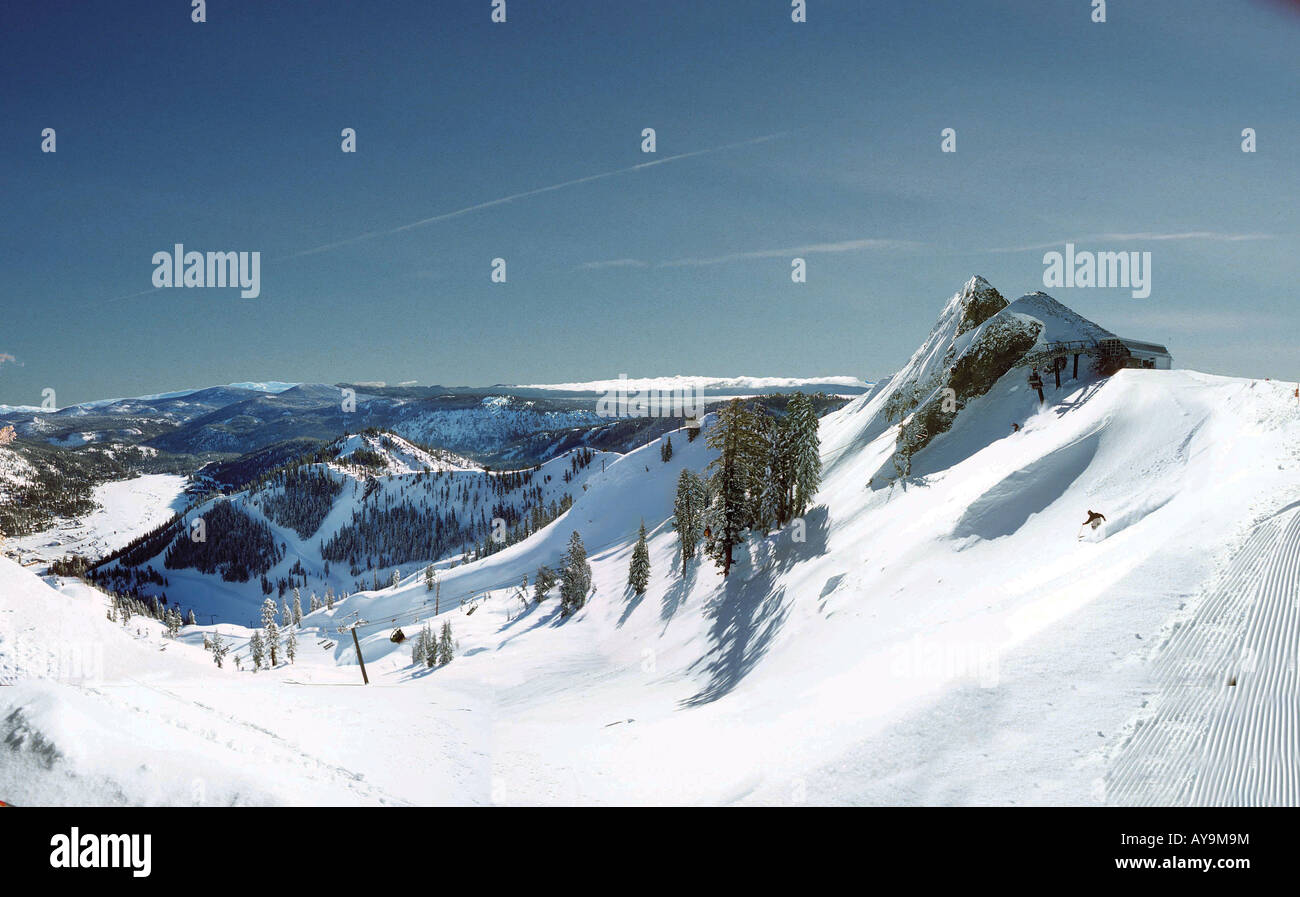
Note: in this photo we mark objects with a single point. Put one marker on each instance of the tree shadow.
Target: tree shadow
(749, 613)
(746, 618)
(675, 595)
(544, 615)
(633, 602)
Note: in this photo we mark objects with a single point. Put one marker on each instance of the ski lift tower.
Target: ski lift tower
(352, 627)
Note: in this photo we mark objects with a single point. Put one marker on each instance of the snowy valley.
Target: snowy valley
(935, 627)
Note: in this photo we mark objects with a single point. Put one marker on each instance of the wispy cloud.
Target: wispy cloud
(1147, 237)
(515, 197)
(612, 263)
(870, 243)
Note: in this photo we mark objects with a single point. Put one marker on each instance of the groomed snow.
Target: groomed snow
(952, 642)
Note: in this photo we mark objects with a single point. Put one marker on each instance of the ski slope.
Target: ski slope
(126, 509)
(946, 639)
(1223, 730)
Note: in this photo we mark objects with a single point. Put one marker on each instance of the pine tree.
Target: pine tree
(762, 485)
(257, 649)
(420, 647)
(428, 578)
(737, 472)
(446, 649)
(666, 449)
(219, 649)
(396, 578)
(575, 577)
(329, 597)
(688, 513)
(313, 603)
(297, 608)
(268, 612)
(543, 582)
(638, 573)
(430, 646)
(286, 615)
(805, 450)
(291, 645)
(272, 640)
(189, 618)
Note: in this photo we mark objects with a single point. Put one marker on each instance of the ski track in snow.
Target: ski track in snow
(1210, 742)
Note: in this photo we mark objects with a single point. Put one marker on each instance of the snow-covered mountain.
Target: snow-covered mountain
(344, 518)
(947, 636)
(711, 386)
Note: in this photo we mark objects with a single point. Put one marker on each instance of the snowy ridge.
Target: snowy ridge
(405, 475)
(955, 637)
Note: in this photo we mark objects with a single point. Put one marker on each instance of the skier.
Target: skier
(1094, 519)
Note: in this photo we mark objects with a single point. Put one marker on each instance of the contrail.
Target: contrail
(490, 203)
(540, 190)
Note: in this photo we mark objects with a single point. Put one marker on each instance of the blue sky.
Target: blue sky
(225, 136)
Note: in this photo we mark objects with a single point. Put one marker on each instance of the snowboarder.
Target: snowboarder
(1094, 519)
(1015, 427)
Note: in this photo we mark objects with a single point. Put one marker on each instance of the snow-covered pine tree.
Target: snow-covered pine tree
(189, 618)
(219, 650)
(638, 572)
(778, 488)
(329, 597)
(291, 645)
(736, 439)
(286, 615)
(446, 648)
(688, 513)
(420, 647)
(666, 449)
(297, 608)
(272, 640)
(430, 646)
(575, 577)
(805, 450)
(762, 476)
(268, 612)
(428, 578)
(543, 582)
(257, 649)
(313, 603)
(397, 577)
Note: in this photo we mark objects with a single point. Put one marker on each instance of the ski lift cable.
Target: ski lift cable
(422, 612)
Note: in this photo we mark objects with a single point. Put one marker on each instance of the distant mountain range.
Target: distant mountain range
(226, 436)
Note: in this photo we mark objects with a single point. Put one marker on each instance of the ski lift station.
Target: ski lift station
(1147, 355)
